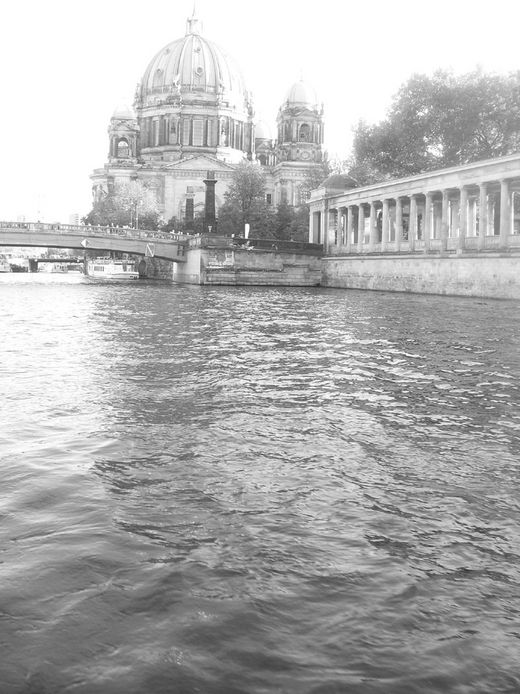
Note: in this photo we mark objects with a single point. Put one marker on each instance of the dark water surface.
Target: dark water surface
(257, 490)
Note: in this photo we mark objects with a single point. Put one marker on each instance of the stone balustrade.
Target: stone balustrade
(475, 207)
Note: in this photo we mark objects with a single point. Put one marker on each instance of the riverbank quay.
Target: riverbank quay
(454, 231)
(486, 275)
(228, 261)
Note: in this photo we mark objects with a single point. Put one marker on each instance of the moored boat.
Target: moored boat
(111, 269)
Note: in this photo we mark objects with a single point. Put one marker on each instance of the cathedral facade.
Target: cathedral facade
(193, 114)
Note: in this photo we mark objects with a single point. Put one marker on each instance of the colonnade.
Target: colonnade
(392, 218)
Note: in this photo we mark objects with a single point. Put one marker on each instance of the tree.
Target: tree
(283, 220)
(105, 212)
(440, 121)
(299, 229)
(245, 203)
(139, 200)
(314, 177)
(171, 225)
(128, 204)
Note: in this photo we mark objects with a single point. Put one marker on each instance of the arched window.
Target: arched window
(123, 150)
(158, 78)
(305, 133)
(288, 137)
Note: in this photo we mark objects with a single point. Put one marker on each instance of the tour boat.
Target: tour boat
(4, 265)
(111, 269)
(52, 267)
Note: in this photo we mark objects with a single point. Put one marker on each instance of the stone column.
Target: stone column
(472, 208)
(349, 228)
(444, 220)
(505, 213)
(325, 226)
(317, 234)
(210, 223)
(373, 218)
(336, 228)
(412, 226)
(361, 226)
(398, 223)
(427, 221)
(483, 219)
(386, 224)
(463, 216)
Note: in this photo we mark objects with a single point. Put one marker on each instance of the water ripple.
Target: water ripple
(256, 490)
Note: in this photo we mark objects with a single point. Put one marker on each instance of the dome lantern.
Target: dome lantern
(193, 24)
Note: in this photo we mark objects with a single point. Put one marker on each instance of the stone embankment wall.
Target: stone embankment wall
(484, 275)
(254, 267)
(155, 268)
(262, 267)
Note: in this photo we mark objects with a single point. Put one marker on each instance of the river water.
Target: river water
(240, 490)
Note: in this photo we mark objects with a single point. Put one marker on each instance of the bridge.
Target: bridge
(79, 237)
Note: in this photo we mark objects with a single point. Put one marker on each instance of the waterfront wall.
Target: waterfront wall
(484, 275)
(226, 261)
(263, 267)
(155, 268)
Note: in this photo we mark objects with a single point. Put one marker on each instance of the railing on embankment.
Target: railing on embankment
(240, 243)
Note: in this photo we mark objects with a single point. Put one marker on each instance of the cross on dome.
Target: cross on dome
(193, 24)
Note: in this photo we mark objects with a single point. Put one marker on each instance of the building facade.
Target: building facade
(193, 114)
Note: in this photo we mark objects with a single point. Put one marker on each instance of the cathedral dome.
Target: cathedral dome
(301, 94)
(195, 69)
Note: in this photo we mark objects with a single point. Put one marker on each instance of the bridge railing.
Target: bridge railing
(89, 230)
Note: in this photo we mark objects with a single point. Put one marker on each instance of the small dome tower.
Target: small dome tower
(123, 132)
(300, 125)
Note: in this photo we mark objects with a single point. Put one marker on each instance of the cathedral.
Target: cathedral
(193, 116)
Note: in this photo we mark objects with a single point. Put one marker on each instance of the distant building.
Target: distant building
(193, 114)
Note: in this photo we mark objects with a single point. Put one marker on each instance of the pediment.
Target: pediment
(198, 163)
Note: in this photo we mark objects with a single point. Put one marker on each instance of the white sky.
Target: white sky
(66, 64)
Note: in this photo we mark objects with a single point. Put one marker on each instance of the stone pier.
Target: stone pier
(221, 260)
